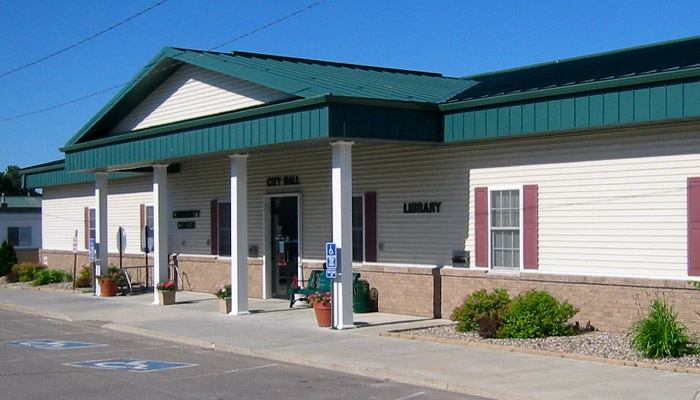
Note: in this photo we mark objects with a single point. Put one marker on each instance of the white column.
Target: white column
(160, 227)
(239, 234)
(101, 234)
(342, 233)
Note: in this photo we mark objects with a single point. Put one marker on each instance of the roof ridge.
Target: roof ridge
(583, 57)
(323, 62)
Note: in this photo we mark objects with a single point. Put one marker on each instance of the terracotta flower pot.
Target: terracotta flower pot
(166, 297)
(323, 314)
(108, 287)
(225, 305)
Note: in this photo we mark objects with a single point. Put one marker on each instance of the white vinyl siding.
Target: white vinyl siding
(406, 238)
(63, 212)
(623, 216)
(193, 92)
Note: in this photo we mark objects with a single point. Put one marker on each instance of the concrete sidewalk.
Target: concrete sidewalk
(274, 331)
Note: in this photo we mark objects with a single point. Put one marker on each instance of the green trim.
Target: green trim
(322, 117)
(199, 122)
(639, 104)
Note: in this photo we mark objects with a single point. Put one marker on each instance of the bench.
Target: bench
(317, 282)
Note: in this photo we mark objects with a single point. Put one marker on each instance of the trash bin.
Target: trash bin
(360, 298)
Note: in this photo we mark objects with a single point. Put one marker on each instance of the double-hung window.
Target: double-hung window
(505, 229)
(92, 227)
(19, 236)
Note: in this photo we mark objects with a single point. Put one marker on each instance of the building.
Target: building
(580, 176)
(20, 225)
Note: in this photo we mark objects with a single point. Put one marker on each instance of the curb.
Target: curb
(580, 357)
(376, 373)
(33, 311)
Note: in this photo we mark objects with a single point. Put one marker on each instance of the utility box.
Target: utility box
(460, 259)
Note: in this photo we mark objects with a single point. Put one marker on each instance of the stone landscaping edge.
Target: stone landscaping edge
(399, 334)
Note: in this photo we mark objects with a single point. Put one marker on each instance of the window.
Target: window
(358, 228)
(92, 226)
(150, 224)
(19, 236)
(224, 229)
(505, 229)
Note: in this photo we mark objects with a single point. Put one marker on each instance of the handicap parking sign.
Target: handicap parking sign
(53, 344)
(128, 364)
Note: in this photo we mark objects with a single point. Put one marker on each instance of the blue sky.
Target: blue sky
(455, 38)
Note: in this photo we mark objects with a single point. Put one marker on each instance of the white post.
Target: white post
(342, 233)
(160, 231)
(101, 234)
(239, 234)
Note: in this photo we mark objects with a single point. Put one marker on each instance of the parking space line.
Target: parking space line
(232, 371)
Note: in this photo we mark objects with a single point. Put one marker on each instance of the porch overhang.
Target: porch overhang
(322, 117)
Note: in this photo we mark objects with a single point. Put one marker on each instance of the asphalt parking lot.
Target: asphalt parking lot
(46, 358)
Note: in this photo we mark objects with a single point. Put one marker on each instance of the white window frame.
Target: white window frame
(19, 236)
(152, 228)
(500, 188)
(92, 221)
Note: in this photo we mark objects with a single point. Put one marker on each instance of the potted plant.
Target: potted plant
(223, 293)
(321, 302)
(166, 292)
(110, 282)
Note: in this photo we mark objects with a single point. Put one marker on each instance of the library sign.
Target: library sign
(432, 207)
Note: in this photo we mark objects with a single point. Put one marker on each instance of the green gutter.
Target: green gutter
(578, 88)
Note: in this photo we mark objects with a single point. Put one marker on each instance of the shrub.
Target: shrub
(660, 334)
(46, 276)
(84, 278)
(8, 257)
(26, 271)
(537, 314)
(480, 305)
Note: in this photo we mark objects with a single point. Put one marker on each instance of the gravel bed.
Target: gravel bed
(598, 344)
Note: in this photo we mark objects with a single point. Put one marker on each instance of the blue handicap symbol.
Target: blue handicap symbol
(330, 249)
(128, 364)
(48, 344)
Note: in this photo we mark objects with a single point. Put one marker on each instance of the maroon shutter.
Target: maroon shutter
(87, 227)
(371, 226)
(530, 233)
(481, 223)
(214, 227)
(694, 226)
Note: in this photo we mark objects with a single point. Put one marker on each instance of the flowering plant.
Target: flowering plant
(168, 286)
(223, 291)
(320, 297)
(113, 274)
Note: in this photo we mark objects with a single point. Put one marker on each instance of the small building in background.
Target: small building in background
(20, 225)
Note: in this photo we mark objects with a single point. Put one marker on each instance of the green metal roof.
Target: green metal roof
(299, 77)
(23, 202)
(54, 173)
(633, 62)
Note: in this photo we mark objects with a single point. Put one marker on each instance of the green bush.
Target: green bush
(26, 271)
(8, 257)
(537, 314)
(480, 305)
(46, 276)
(660, 334)
(84, 278)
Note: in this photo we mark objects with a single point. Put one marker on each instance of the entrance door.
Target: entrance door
(284, 229)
